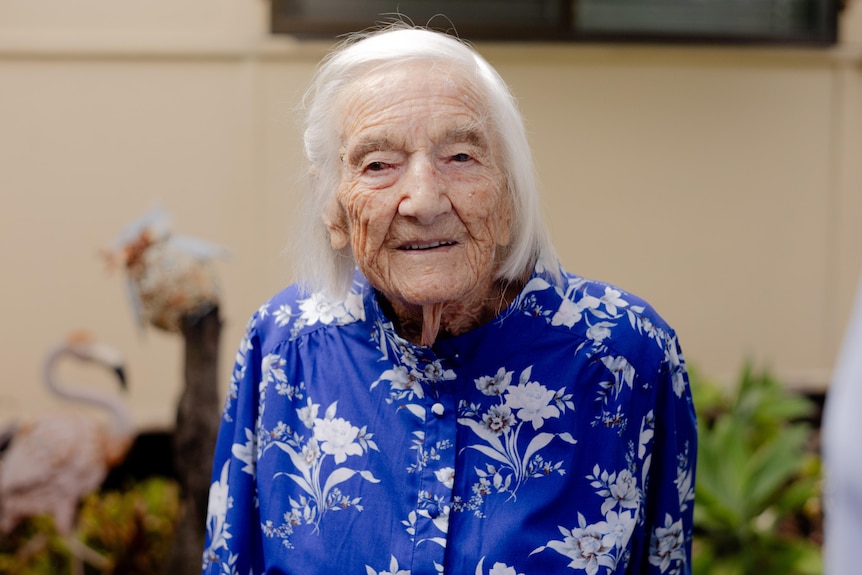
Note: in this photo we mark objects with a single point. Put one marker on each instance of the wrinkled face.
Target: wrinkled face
(422, 199)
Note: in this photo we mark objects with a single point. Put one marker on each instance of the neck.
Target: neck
(423, 324)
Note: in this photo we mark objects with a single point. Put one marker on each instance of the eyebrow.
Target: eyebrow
(365, 147)
(467, 135)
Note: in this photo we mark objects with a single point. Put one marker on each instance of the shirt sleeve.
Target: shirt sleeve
(670, 491)
(841, 429)
(233, 543)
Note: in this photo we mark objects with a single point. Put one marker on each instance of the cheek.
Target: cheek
(502, 226)
(369, 217)
(488, 213)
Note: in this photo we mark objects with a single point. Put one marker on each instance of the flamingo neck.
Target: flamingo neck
(120, 415)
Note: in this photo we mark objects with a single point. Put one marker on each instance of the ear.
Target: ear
(335, 221)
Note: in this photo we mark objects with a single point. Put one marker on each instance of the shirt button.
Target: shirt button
(434, 511)
(438, 409)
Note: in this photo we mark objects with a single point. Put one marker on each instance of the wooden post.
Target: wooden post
(195, 436)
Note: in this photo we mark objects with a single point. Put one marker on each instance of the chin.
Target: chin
(434, 296)
(428, 285)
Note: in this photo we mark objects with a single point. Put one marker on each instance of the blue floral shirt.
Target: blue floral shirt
(558, 438)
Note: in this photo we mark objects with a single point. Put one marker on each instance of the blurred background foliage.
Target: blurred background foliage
(758, 505)
(128, 532)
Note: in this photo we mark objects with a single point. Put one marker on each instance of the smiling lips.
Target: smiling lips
(426, 245)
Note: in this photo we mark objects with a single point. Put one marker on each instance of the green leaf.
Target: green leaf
(773, 466)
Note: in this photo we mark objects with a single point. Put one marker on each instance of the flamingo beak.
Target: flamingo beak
(121, 375)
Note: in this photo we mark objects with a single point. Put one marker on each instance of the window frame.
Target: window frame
(559, 22)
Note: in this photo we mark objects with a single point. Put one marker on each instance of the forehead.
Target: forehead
(404, 96)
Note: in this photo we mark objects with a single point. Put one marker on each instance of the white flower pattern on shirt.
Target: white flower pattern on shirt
(499, 429)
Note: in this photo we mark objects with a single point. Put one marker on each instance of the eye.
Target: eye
(376, 166)
(462, 157)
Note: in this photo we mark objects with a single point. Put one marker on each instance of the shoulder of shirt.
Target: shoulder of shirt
(635, 304)
(294, 312)
(636, 319)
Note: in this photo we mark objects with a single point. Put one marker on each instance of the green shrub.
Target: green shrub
(128, 532)
(758, 479)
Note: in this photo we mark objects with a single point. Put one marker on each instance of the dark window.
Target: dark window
(806, 22)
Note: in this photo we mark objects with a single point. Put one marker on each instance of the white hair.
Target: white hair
(318, 266)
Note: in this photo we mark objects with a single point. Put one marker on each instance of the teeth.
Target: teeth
(428, 246)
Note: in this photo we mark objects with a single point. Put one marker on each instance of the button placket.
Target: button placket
(435, 496)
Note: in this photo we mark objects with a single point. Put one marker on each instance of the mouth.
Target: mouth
(421, 246)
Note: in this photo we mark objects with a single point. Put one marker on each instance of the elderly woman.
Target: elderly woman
(436, 395)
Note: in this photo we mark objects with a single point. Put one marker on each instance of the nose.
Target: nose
(425, 192)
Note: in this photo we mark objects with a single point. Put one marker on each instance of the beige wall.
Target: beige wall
(722, 184)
